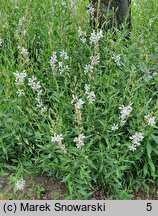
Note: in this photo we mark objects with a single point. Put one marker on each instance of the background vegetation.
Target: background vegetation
(126, 74)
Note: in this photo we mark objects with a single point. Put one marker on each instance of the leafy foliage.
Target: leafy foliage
(127, 73)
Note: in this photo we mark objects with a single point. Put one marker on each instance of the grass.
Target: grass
(125, 76)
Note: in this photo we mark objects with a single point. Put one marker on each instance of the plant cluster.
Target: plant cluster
(77, 103)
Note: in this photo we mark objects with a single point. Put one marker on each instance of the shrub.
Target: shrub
(79, 104)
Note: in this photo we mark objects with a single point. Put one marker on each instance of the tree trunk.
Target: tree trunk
(112, 11)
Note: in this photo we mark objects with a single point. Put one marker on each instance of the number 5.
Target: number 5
(149, 206)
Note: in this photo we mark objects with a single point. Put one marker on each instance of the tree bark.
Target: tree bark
(112, 11)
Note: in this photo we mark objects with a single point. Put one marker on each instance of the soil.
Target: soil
(39, 188)
(139, 195)
(48, 188)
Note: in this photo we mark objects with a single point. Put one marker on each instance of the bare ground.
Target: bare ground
(48, 188)
(41, 188)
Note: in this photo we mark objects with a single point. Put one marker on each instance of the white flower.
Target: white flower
(100, 34)
(87, 88)
(0, 41)
(81, 32)
(66, 68)
(150, 120)
(36, 86)
(32, 81)
(20, 76)
(21, 20)
(151, 21)
(26, 60)
(75, 98)
(53, 60)
(132, 147)
(24, 32)
(83, 39)
(24, 52)
(90, 94)
(64, 55)
(117, 59)
(94, 60)
(39, 102)
(62, 68)
(20, 92)
(155, 73)
(137, 138)
(57, 138)
(96, 36)
(20, 184)
(91, 97)
(91, 11)
(33, 84)
(43, 109)
(79, 141)
(115, 127)
(125, 111)
(39, 93)
(88, 69)
(73, 5)
(82, 35)
(60, 65)
(79, 104)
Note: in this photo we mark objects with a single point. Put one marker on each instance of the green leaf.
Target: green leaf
(149, 150)
(66, 178)
(145, 169)
(92, 164)
(152, 166)
(155, 138)
(156, 151)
